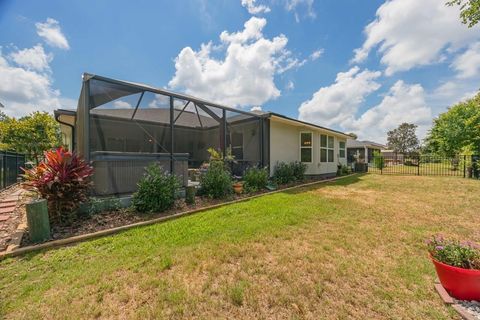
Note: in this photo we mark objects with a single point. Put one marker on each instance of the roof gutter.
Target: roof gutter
(57, 114)
(314, 126)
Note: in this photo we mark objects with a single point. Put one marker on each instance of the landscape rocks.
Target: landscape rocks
(473, 307)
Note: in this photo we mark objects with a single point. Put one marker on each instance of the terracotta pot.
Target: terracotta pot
(462, 284)
(238, 188)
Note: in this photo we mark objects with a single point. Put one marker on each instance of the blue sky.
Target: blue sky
(356, 66)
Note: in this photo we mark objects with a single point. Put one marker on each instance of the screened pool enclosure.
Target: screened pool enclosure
(122, 127)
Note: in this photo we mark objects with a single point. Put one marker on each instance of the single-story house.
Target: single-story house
(121, 127)
(363, 149)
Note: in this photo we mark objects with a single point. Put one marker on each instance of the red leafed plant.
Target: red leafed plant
(63, 178)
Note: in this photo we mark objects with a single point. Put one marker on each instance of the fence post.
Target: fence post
(418, 165)
(4, 169)
(464, 165)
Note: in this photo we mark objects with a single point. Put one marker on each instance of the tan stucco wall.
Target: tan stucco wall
(285, 146)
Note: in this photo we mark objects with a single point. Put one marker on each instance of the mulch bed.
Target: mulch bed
(111, 219)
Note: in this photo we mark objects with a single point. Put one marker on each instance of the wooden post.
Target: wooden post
(190, 194)
(37, 221)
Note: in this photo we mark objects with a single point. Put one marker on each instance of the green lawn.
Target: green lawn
(350, 249)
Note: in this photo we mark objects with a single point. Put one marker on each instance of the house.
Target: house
(364, 150)
(121, 127)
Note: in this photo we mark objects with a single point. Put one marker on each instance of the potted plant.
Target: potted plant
(238, 187)
(457, 265)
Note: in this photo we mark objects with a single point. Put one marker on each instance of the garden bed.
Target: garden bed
(87, 224)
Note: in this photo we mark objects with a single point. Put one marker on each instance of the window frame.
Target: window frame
(327, 148)
(340, 149)
(303, 147)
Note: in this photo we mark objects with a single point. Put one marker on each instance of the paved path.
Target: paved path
(8, 217)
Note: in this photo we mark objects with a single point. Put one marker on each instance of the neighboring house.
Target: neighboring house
(122, 126)
(364, 149)
(391, 157)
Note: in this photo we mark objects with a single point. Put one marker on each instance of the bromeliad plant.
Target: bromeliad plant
(454, 253)
(63, 179)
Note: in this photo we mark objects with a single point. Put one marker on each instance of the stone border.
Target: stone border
(101, 233)
(447, 299)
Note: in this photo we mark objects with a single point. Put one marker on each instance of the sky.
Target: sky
(355, 66)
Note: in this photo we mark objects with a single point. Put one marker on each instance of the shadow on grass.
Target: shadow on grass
(341, 182)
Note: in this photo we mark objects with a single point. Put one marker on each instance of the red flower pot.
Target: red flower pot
(462, 284)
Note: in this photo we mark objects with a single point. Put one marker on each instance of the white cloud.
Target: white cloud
(120, 104)
(403, 103)
(290, 85)
(316, 54)
(51, 32)
(337, 104)
(467, 65)
(32, 58)
(244, 76)
(256, 108)
(411, 33)
(450, 92)
(252, 31)
(255, 9)
(296, 6)
(25, 90)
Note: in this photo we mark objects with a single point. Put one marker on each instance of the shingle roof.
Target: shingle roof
(365, 143)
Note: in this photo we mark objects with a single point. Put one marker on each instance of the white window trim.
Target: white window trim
(344, 149)
(300, 146)
(326, 148)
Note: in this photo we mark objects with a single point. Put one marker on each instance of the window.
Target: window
(341, 149)
(326, 148)
(306, 147)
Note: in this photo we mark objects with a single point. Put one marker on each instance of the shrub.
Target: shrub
(343, 170)
(283, 173)
(298, 169)
(156, 190)
(255, 179)
(216, 182)
(455, 253)
(63, 179)
(289, 172)
(378, 160)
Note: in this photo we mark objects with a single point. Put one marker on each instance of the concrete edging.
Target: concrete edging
(101, 233)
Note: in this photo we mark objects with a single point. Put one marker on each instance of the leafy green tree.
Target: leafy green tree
(3, 116)
(403, 139)
(457, 130)
(32, 134)
(469, 11)
(353, 135)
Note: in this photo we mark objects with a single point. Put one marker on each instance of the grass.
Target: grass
(349, 249)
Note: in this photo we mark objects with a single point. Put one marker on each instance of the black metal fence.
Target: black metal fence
(10, 164)
(466, 166)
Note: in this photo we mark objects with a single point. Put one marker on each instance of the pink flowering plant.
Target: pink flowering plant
(461, 254)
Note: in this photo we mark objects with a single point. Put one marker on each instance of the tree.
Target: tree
(469, 11)
(3, 116)
(32, 134)
(353, 135)
(403, 139)
(457, 129)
